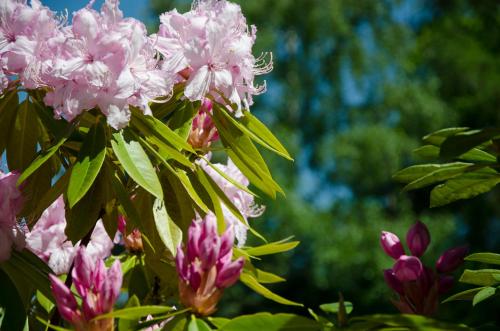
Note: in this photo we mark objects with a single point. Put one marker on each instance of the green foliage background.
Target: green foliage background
(356, 85)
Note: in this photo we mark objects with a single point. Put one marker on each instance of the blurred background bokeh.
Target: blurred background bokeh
(356, 85)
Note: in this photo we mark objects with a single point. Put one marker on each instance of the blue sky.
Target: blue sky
(130, 8)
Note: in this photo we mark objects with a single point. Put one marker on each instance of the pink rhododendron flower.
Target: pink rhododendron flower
(24, 31)
(417, 286)
(241, 199)
(214, 41)
(103, 60)
(205, 267)
(48, 240)
(98, 288)
(10, 204)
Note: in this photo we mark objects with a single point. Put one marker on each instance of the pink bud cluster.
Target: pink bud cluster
(418, 286)
(11, 202)
(49, 242)
(103, 60)
(203, 130)
(133, 240)
(242, 200)
(98, 288)
(205, 267)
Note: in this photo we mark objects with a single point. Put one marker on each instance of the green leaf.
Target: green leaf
(269, 322)
(252, 283)
(265, 277)
(23, 139)
(260, 130)
(44, 302)
(136, 163)
(437, 138)
(197, 324)
(333, 308)
(121, 192)
(218, 322)
(178, 324)
(89, 163)
(182, 120)
(409, 322)
(442, 173)
(84, 215)
(464, 295)
(484, 294)
(464, 187)
(464, 141)
(482, 277)
(272, 248)
(50, 326)
(170, 233)
(126, 325)
(133, 313)
(14, 314)
(491, 258)
(427, 152)
(415, 172)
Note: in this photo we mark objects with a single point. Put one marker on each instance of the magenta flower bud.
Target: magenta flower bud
(82, 272)
(205, 268)
(392, 281)
(418, 238)
(66, 302)
(391, 244)
(122, 225)
(408, 268)
(451, 259)
(445, 283)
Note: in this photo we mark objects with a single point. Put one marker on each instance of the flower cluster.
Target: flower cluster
(11, 201)
(242, 200)
(133, 240)
(211, 47)
(98, 288)
(418, 286)
(206, 268)
(48, 240)
(103, 60)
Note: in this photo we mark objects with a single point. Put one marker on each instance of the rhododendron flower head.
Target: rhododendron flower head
(98, 288)
(214, 41)
(205, 267)
(105, 61)
(11, 201)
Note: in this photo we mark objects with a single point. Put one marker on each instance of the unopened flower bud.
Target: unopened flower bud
(392, 281)
(391, 244)
(203, 130)
(205, 268)
(408, 268)
(418, 238)
(451, 259)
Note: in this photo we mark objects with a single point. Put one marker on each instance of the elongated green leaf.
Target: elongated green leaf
(402, 322)
(84, 215)
(464, 187)
(245, 155)
(484, 294)
(491, 258)
(182, 120)
(219, 322)
(197, 324)
(269, 322)
(482, 277)
(124, 324)
(252, 283)
(50, 326)
(415, 172)
(333, 308)
(136, 163)
(9, 106)
(265, 277)
(464, 141)
(133, 313)
(437, 138)
(464, 295)
(427, 152)
(272, 248)
(444, 172)
(210, 198)
(169, 232)
(229, 179)
(177, 201)
(88, 164)
(260, 130)
(23, 138)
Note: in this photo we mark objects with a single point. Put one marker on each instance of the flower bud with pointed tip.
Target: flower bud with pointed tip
(418, 238)
(66, 302)
(451, 259)
(391, 244)
(408, 268)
